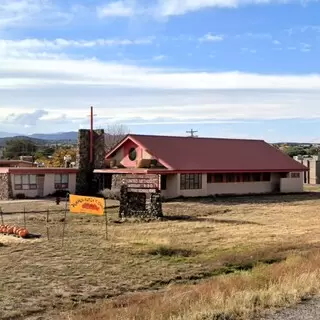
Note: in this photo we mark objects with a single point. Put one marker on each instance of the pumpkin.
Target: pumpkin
(10, 230)
(23, 232)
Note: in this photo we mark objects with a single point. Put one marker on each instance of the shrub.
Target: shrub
(113, 194)
(168, 251)
(20, 196)
(60, 193)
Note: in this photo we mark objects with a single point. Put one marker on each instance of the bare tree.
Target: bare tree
(114, 134)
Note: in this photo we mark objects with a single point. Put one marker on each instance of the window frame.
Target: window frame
(190, 181)
(266, 177)
(230, 178)
(25, 182)
(60, 184)
(295, 175)
(256, 177)
(213, 178)
(163, 181)
(132, 155)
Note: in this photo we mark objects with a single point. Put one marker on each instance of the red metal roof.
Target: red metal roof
(216, 154)
(41, 170)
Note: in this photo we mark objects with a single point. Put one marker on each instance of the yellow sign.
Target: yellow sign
(90, 205)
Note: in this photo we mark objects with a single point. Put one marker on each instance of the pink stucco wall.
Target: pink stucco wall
(126, 148)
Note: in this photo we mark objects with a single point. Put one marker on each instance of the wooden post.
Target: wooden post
(91, 135)
(65, 218)
(47, 220)
(1, 213)
(106, 217)
(24, 217)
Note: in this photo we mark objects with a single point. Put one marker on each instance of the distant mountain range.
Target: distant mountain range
(71, 135)
(41, 138)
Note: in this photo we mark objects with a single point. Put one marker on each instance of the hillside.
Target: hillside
(59, 136)
(34, 140)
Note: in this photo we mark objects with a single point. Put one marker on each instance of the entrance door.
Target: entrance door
(40, 183)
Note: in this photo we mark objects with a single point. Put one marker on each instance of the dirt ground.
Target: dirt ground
(197, 239)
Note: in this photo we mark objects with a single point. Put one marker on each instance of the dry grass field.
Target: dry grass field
(186, 266)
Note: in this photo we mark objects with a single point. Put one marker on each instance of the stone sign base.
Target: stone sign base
(139, 204)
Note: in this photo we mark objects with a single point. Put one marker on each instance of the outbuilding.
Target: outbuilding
(33, 182)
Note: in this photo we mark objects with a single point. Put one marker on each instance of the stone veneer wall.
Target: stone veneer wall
(117, 181)
(85, 177)
(144, 205)
(5, 186)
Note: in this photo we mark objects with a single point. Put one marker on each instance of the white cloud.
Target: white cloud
(159, 57)
(255, 35)
(47, 88)
(181, 7)
(32, 12)
(305, 47)
(167, 8)
(45, 73)
(247, 50)
(6, 46)
(117, 9)
(209, 37)
(276, 42)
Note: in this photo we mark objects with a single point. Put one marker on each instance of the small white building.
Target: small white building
(34, 182)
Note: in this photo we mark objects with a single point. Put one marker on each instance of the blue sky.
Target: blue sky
(227, 68)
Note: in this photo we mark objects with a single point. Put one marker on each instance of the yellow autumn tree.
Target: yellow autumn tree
(57, 159)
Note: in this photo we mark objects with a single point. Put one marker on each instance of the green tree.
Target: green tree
(19, 147)
(313, 151)
(44, 152)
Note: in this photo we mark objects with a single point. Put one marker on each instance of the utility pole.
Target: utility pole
(91, 134)
(192, 133)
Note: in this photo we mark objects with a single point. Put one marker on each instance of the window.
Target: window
(132, 154)
(25, 182)
(284, 175)
(230, 177)
(190, 181)
(256, 177)
(163, 182)
(61, 181)
(246, 177)
(238, 177)
(214, 178)
(266, 176)
(218, 178)
(295, 174)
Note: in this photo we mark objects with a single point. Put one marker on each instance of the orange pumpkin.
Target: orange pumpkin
(10, 230)
(23, 233)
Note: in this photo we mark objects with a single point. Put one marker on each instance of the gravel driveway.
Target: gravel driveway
(304, 311)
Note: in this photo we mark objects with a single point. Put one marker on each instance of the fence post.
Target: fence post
(1, 213)
(106, 217)
(65, 218)
(47, 220)
(24, 217)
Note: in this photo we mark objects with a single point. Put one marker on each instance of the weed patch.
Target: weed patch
(167, 251)
(234, 297)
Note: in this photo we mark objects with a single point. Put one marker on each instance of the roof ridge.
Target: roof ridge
(186, 137)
